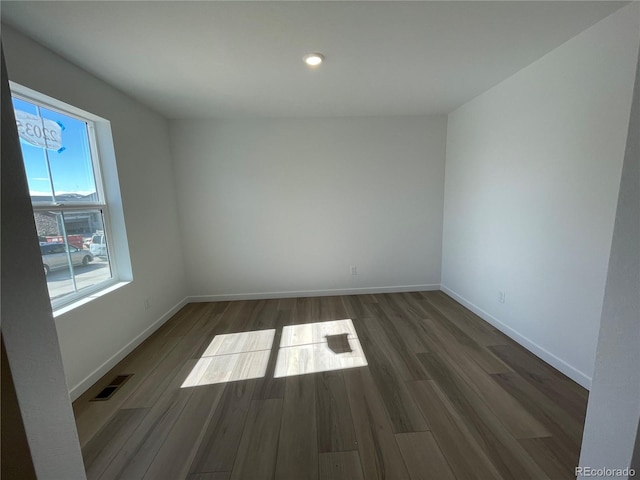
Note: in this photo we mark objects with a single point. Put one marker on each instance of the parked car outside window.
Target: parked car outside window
(98, 245)
(54, 256)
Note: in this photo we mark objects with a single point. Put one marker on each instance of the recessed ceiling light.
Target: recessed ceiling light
(313, 59)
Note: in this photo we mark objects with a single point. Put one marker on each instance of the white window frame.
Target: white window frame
(120, 271)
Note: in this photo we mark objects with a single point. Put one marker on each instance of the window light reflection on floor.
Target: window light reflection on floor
(232, 357)
(304, 348)
(319, 347)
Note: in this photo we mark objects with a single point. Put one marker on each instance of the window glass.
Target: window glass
(71, 216)
(88, 263)
(61, 175)
(58, 248)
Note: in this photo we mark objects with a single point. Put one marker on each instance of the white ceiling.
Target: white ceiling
(232, 59)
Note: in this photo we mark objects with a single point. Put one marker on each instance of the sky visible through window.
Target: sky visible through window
(71, 168)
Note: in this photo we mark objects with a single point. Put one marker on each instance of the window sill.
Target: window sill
(84, 300)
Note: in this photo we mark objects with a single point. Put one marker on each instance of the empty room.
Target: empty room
(320, 240)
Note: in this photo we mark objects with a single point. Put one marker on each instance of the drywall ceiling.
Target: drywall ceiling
(233, 59)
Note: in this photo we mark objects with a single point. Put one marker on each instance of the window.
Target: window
(71, 212)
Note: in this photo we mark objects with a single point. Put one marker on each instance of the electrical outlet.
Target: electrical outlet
(147, 303)
(354, 270)
(502, 298)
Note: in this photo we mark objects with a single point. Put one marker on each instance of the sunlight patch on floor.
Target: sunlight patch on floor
(319, 347)
(232, 357)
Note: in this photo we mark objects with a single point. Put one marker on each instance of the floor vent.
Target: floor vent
(107, 392)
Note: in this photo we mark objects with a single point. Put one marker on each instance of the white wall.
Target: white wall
(532, 177)
(41, 431)
(286, 206)
(613, 416)
(94, 336)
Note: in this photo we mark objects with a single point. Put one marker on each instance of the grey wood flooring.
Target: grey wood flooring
(444, 395)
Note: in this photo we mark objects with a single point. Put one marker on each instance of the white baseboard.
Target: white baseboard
(313, 293)
(94, 376)
(556, 362)
(539, 351)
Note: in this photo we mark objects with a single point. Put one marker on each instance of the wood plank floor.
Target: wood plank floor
(444, 395)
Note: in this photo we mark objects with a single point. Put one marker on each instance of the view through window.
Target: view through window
(70, 211)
